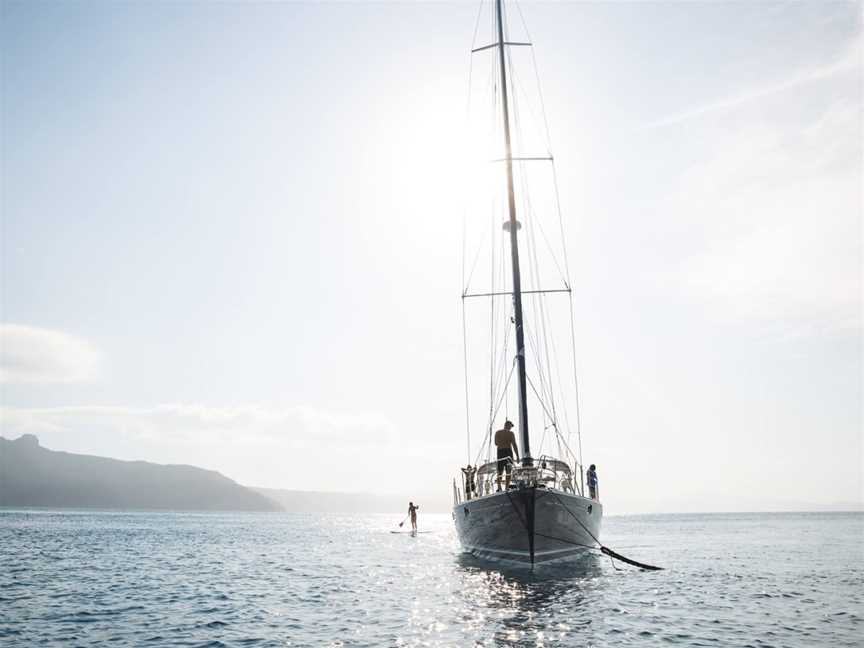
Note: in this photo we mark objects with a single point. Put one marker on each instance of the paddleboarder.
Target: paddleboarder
(412, 513)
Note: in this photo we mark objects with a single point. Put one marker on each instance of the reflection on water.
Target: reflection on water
(528, 605)
(586, 567)
(267, 580)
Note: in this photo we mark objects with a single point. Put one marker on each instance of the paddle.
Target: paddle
(404, 521)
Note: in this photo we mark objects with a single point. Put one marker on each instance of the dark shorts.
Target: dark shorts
(503, 455)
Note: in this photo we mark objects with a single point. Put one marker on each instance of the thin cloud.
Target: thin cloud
(850, 61)
(36, 355)
(191, 423)
(783, 207)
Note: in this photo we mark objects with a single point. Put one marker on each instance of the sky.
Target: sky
(232, 237)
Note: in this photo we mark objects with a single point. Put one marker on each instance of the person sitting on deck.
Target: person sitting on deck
(592, 481)
(468, 471)
(505, 441)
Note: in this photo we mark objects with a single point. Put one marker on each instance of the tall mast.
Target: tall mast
(513, 226)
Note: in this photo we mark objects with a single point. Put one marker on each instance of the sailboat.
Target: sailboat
(533, 509)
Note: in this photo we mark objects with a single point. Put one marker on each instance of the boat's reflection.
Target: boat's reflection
(588, 566)
(523, 606)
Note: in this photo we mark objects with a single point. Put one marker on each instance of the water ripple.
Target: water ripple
(304, 580)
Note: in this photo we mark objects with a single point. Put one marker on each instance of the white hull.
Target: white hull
(528, 526)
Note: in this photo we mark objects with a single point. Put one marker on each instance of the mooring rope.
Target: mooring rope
(601, 547)
(604, 549)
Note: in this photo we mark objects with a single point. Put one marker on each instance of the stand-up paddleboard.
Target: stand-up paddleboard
(411, 532)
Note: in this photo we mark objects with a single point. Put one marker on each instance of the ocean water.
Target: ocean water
(185, 579)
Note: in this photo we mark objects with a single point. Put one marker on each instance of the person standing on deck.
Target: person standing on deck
(592, 481)
(468, 472)
(412, 513)
(505, 441)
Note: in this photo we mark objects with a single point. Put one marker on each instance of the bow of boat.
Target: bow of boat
(528, 525)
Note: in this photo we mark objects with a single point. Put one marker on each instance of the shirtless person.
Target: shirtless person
(412, 513)
(505, 441)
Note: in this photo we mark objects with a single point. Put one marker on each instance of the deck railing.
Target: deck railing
(546, 472)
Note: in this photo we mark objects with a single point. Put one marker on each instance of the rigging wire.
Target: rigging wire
(534, 389)
(517, 83)
(561, 226)
(575, 380)
(541, 311)
(538, 310)
(540, 302)
(548, 338)
(537, 77)
(547, 383)
(465, 367)
(477, 24)
(467, 284)
(541, 341)
(500, 280)
(600, 546)
(497, 407)
(464, 240)
(493, 334)
(503, 364)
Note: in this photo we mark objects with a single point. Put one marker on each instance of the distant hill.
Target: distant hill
(297, 501)
(31, 475)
